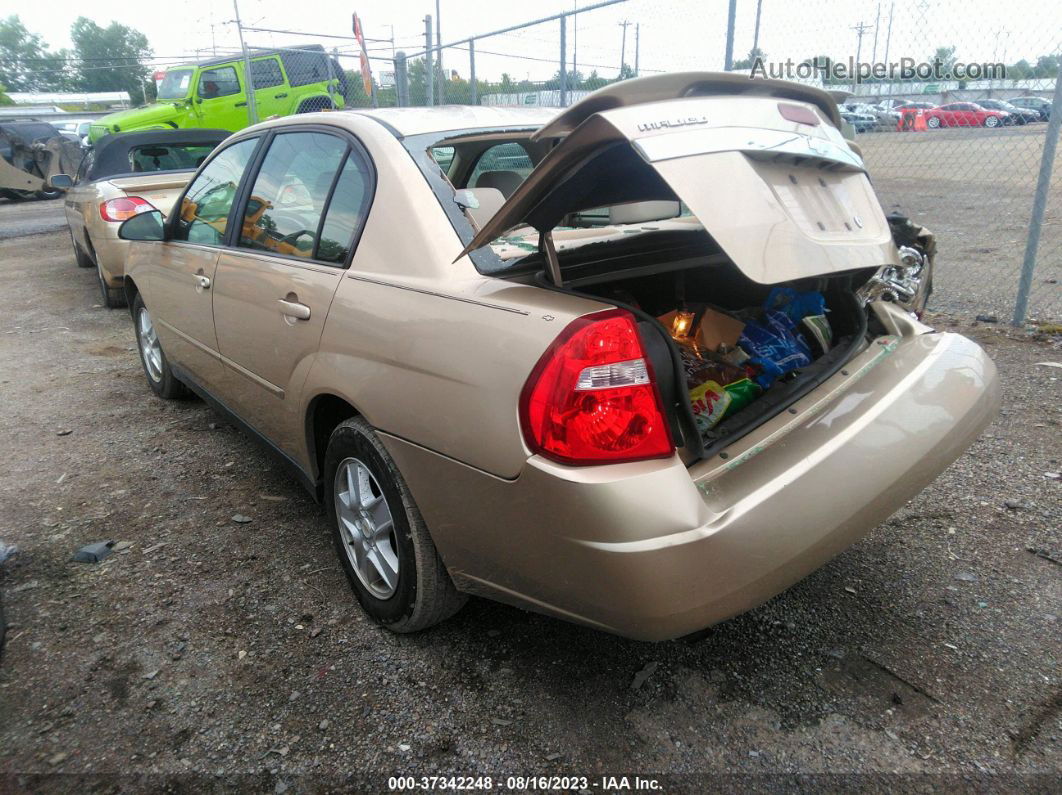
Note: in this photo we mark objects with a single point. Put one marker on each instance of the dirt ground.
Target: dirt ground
(209, 653)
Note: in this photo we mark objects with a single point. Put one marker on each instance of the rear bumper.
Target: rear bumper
(655, 550)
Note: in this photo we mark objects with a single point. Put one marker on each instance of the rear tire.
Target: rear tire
(156, 367)
(83, 260)
(382, 530)
(932, 122)
(992, 121)
(113, 297)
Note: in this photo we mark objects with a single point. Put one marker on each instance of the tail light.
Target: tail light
(591, 399)
(124, 208)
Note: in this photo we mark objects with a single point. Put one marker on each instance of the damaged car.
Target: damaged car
(641, 365)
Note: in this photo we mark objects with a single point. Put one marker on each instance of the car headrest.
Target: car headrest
(490, 201)
(505, 181)
(637, 212)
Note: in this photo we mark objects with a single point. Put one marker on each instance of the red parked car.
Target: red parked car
(964, 114)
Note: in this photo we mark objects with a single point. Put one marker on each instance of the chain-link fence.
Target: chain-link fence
(955, 142)
(942, 141)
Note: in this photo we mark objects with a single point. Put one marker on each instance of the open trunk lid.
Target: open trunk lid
(159, 188)
(760, 163)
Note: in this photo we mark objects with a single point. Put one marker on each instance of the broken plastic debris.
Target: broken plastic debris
(94, 553)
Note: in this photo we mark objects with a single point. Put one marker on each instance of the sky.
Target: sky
(672, 34)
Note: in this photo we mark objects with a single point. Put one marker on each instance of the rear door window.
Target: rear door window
(205, 205)
(347, 210)
(284, 210)
(266, 73)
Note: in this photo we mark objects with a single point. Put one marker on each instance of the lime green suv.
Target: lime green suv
(213, 93)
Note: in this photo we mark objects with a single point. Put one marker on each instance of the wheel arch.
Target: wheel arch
(323, 413)
(131, 292)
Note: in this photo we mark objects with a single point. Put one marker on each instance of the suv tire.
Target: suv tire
(156, 368)
(380, 528)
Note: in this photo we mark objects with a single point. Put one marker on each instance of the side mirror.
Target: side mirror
(61, 181)
(144, 226)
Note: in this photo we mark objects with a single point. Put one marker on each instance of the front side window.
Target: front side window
(219, 82)
(175, 84)
(290, 193)
(205, 206)
(266, 73)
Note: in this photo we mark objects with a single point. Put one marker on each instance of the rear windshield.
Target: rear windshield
(169, 157)
(175, 84)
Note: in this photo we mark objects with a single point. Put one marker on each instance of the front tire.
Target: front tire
(933, 122)
(382, 542)
(156, 368)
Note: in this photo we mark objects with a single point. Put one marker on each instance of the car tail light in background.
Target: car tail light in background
(591, 399)
(124, 208)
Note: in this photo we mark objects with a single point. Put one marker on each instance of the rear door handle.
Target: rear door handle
(279, 96)
(294, 309)
(202, 283)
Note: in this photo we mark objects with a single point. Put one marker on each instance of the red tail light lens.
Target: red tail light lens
(124, 208)
(591, 397)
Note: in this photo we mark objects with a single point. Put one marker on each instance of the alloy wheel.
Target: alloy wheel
(366, 528)
(150, 350)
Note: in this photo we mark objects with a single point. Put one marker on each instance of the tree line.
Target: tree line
(112, 58)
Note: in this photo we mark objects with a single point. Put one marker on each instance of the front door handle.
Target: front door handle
(202, 283)
(241, 104)
(294, 309)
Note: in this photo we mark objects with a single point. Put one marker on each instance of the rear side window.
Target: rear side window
(503, 166)
(266, 73)
(205, 206)
(169, 157)
(346, 210)
(290, 192)
(305, 67)
(219, 82)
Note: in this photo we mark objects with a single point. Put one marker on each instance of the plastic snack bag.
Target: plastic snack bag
(709, 402)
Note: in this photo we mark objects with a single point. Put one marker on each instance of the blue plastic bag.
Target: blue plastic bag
(773, 346)
(797, 305)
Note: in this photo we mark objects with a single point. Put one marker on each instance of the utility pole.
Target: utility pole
(252, 105)
(438, 43)
(575, 38)
(877, 24)
(429, 75)
(888, 40)
(637, 45)
(563, 66)
(861, 31)
(756, 34)
(728, 57)
(623, 47)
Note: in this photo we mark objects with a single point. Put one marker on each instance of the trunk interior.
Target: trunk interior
(710, 362)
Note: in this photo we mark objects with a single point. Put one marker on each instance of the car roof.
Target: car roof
(112, 151)
(444, 118)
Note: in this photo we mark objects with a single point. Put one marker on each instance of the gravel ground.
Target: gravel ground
(210, 653)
